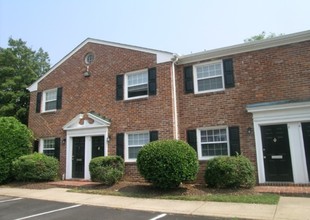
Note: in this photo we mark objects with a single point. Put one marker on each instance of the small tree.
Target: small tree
(167, 163)
(15, 141)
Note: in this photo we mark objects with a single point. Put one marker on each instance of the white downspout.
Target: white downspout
(174, 98)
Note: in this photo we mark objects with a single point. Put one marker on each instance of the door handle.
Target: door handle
(79, 160)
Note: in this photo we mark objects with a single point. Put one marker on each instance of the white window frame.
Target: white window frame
(199, 143)
(42, 141)
(126, 84)
(127, 159)
(44, 100)
(196, 78)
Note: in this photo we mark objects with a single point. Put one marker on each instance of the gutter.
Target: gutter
(174, 97)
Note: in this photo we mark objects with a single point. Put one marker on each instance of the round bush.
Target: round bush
(167, 163)
(107, 170)
(15, 141)
(230, 172)
(35, 167)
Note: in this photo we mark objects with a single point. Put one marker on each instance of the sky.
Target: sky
(178, 26)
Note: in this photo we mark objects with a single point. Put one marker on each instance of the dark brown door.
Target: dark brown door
(306, 136)
(277, 156)
(78, 157)
(97, 146)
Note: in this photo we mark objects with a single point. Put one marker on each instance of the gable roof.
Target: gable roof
(162, 56)
(245, 47)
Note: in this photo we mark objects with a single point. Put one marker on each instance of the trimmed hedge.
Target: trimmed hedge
(35, 167)
(167, 163)
(107, 170)
(230, 172)
(15, 141)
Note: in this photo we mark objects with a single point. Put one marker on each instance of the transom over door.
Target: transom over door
(276, 151)
(78, 157)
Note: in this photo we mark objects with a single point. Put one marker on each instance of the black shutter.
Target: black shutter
(59, 98)
(57, 148)
(188, 79)
(36, 146)
(152, 81)
(228, 73)
(192, 138)
(39, 99)
(234, 141)
(119, 87)
(153, 136)
(120, 145)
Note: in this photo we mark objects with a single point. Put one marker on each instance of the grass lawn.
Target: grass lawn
(185, 192)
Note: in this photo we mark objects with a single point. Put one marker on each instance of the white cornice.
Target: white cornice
(246, 47)
(275, 106)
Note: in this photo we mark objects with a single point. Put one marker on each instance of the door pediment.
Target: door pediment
(88, 120)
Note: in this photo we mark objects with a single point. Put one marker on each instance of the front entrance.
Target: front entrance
(78, 157)
(276, 153)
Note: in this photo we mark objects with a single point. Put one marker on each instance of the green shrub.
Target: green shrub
(107, 170)
(15, 141)
(35, 167)
(167, 163)
(230, 172)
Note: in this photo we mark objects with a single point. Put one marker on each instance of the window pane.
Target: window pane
(209, 70)
(49, 152)
(137, 78)
(133, 152)
(52, 95)
(138, 139)
(50, 105)
(210, 84)
(139, 90)
(214, 149)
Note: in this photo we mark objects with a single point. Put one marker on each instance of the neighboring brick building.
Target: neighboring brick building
(107, 98)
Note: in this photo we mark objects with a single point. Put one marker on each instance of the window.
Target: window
(208, 77)
(50, 100)
(135, 142)
(136, 84)
(49, 147)
(213, 142)
(89, 58)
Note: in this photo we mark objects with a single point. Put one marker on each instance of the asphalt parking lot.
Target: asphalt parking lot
(21, 208)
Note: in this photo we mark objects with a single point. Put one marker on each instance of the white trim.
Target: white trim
(246, 47)
(126, 150)
(174, 100)
(161, 56)
(43, 102)
(292, 114)
(198, 136)
(196, 78)
(126, 84)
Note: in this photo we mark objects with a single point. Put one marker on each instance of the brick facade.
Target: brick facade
(265, 75)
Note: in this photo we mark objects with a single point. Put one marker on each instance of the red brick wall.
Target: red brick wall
(281, 73)
(98, 93)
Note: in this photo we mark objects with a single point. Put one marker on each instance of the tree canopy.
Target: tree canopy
(20, 66)
(262, 36)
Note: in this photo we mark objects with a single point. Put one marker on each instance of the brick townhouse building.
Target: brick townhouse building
(107, 98)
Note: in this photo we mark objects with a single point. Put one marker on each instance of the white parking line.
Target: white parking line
(10, 200)
(158, 217)
(44, 213)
